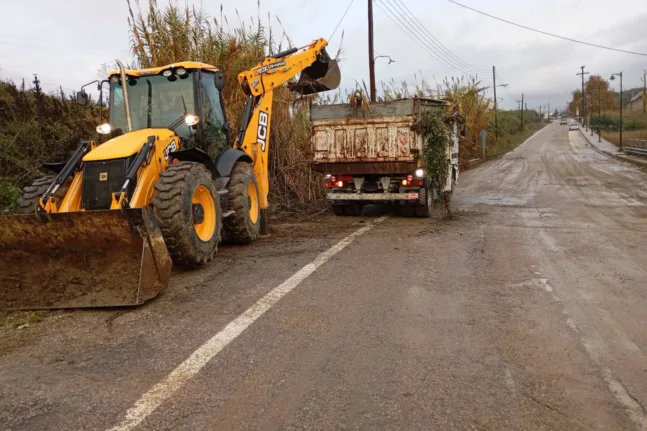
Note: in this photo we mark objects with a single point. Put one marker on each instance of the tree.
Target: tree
(576, 102)
(598, 96)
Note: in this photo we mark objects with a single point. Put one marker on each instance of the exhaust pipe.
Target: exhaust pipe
(124, 86)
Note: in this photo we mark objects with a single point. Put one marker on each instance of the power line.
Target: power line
(439, 44)
(342, 19)
(402, 26)
(407, 23)
(546, 33)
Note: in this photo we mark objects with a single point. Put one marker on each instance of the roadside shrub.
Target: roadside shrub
(9, 194)
(36, 128)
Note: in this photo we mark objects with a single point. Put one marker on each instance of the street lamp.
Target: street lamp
(384, 56)
(613, 76)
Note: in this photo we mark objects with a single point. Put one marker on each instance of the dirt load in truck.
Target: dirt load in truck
(376, 155)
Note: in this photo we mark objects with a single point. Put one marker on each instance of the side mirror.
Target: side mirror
(219, 80)
(463, 130)
(82, 98)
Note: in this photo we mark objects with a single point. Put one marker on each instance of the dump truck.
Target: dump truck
(106, 226)
(373, 155)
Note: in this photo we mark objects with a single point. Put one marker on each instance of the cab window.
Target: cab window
(213, 121)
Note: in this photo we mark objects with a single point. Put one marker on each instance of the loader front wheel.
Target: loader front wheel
(187, 207)
(244, 224)
(30, 199)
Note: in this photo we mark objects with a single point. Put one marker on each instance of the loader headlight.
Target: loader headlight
(181, 71)
(420, 173)
(191, 120)
(104, 129)
(167, 73)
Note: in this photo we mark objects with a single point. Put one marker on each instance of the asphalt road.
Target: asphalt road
(528, 310)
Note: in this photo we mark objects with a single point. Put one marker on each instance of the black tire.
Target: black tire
(407, 210)
(240, 226)
(425, 205)
(338, 210)
(30, 199)
(354, 209)
(174, 209)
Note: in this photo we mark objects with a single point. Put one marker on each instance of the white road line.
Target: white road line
(152, 399)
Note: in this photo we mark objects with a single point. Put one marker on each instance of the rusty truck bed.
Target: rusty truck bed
(377, 141)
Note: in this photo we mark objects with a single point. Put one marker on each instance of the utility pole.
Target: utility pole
(496, 105)
(613, 76)
(644, 89)
(582, 101)
(549, 111)
(371, 54)
(522, 106)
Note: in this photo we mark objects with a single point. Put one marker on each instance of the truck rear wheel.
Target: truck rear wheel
(187, 207)
(338, 210)
(244, 199)
(425, 205)
(30, 199)
(407, 210)
(354, 209)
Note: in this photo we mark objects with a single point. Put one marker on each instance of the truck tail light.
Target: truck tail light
(333, 184)
(412, 182)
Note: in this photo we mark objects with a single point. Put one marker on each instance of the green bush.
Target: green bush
(36, 128)
(9, 194)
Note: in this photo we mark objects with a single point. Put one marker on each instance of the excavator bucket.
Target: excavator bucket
(322, 75)
(81, 259)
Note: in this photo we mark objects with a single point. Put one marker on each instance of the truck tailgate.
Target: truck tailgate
(341, 134)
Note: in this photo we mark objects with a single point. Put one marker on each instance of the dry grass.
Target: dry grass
(627, 136)
(166, 35)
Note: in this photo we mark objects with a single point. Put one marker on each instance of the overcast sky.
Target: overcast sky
(66, 45)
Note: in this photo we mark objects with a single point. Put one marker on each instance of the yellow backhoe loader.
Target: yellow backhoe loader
(106, 227)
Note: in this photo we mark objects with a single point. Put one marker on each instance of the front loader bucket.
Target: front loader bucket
(322, 75)
(81, 259)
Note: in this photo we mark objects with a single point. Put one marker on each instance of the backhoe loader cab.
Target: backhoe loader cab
(105, 227)
(161, 97)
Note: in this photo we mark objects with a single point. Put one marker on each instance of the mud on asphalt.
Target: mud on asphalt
(290, 236)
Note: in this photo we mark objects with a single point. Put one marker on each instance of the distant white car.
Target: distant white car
(573, 126)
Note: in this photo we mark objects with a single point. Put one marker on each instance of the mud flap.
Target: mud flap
(322, 75)
(81, 259)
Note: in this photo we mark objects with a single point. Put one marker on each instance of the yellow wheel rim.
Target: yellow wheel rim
(252, 195)
(204, 213)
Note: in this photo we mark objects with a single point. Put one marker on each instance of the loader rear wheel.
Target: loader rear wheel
(244, 224)
(187, 207)
(30, 199)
